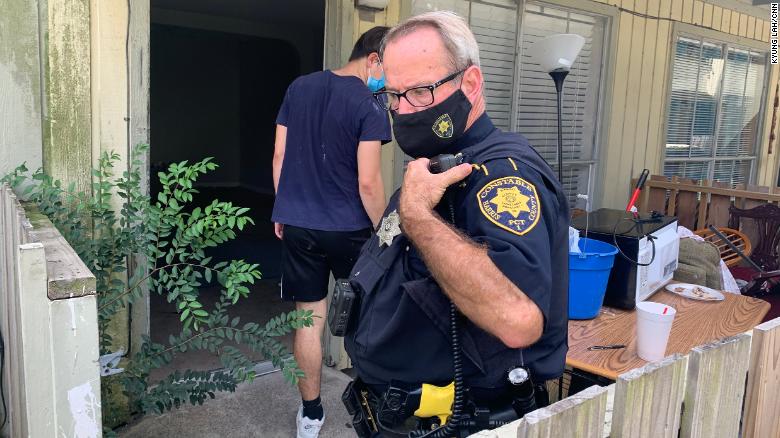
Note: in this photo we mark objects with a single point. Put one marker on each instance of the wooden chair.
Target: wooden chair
(766, 220)
(728, 255)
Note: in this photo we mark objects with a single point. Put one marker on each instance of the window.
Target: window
(520, 97)
(714, 111)
(536, 105)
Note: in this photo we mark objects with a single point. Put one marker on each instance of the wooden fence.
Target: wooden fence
(48, 318)
(698, 204)
(699, 395)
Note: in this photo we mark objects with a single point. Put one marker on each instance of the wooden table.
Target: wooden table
(696, 323)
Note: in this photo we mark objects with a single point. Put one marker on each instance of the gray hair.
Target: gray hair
(453, 30)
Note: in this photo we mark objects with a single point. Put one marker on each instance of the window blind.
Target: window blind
(713, 117)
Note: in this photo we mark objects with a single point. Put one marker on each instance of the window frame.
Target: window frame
(727, 41)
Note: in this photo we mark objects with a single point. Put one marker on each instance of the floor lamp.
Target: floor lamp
(556, 54)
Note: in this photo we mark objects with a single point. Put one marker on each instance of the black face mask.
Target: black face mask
(433, 131)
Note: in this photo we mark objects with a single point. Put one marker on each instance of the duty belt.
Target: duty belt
(391, 413)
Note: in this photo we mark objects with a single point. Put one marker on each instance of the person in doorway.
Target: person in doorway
(329, 194)
(496, 246)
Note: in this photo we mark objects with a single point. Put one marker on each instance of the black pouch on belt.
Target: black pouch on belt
(355, 399)
(397, 405)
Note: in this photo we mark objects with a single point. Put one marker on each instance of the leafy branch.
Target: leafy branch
(118, 222)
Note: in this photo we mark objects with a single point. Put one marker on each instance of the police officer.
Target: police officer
(503, 263)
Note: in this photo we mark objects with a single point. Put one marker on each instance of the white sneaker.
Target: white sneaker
(307, 428)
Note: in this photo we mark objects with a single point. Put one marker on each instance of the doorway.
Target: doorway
(218, 74)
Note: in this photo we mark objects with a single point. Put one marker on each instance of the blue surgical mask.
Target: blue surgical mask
(375, 84)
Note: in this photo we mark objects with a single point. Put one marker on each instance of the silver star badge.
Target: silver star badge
(389, 228)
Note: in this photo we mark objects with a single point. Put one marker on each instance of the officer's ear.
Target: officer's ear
(471, 84)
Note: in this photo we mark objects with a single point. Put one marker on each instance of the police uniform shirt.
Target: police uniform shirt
(513, 204)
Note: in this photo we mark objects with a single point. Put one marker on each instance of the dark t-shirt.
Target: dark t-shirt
(326, 116)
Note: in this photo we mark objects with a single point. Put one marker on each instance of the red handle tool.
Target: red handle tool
(638, 189)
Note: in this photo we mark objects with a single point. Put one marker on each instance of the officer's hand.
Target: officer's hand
(279, 230)
(422, 190)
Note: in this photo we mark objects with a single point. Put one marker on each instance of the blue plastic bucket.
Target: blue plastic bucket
(588, 277)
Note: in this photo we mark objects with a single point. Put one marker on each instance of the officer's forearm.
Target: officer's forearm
(473, 282)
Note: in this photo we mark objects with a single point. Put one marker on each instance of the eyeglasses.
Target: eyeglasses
(417, 96)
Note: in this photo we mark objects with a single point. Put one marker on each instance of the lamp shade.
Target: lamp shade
(557, 52)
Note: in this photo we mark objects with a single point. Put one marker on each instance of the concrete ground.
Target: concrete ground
(264, 408)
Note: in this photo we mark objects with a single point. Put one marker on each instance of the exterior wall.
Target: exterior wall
(20, 86)
(638, 94)
(638, 70)
(67, 152)
(108, 92)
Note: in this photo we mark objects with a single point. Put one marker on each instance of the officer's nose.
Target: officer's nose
(404, 107)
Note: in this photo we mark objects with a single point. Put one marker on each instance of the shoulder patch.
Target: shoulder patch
(511, 203)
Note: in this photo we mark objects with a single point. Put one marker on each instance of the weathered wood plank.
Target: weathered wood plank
(718, 214)
(715, 388)
(740, 192)
(687, 202)
(761, 416)
(138, 83)
(657, 196)
(701, 218)
(671, 209)
(36, 340)
(68, 276)
(67, 145)
(578, 416)
(581, 415)
(20, 86)
(11, 327)
(648, 400)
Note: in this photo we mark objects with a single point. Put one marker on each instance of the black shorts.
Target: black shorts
(309, 256)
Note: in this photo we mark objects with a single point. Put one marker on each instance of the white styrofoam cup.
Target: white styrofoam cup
(652, 329)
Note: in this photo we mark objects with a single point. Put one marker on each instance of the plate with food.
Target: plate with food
(695, 292)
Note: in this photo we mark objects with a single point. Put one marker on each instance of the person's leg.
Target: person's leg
(307, 348)
(305, 281)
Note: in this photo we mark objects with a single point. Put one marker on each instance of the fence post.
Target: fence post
(36, 341)
(715, 388)
(48, 316)
(761, 416)
(648, 400)
(578, 416)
